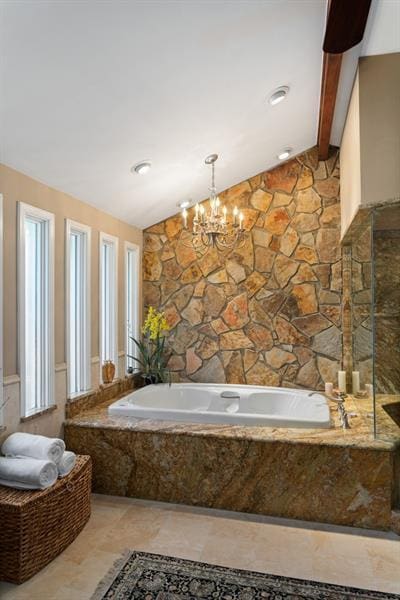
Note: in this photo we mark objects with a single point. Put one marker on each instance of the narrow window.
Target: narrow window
(1, 311)
(36, 313)
(78, 306)
(131, 301)
(108, 298)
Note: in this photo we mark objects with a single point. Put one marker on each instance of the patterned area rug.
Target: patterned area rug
(142, 576)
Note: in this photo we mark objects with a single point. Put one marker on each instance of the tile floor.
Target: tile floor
(345, 556)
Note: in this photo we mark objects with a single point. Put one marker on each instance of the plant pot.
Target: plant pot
(150, 379)
(108, 371)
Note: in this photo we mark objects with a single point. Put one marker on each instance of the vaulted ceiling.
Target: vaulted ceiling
(88, 89)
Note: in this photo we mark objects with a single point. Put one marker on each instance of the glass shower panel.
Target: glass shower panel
(360, 351)
(386, 320)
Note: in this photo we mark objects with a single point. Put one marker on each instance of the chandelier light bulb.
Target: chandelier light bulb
(185, 216)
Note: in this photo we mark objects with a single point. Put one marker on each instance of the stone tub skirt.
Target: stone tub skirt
(336, 481)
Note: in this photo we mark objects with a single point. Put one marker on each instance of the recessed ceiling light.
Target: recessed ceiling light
(184, 204)
(141, 168)
(284, 154)
(278, 95)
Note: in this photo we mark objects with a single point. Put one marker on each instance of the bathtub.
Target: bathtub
(225, 404)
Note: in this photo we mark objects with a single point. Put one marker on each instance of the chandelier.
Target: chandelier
(213, 227)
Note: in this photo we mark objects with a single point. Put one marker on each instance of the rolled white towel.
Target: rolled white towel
(27, 473)
(34, 446)
(66, 463)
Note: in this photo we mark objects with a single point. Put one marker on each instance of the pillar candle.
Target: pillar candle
(370, 389)
(342, 381)
(356, 382)
(329, 388)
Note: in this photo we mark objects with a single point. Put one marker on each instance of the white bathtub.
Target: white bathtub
(225, 404)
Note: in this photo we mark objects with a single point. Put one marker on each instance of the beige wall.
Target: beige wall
(370, 149)
(380, 128)
(17, 187)
(350, 158)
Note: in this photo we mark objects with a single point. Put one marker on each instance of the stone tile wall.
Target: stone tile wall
(268, 313)
(387, 311)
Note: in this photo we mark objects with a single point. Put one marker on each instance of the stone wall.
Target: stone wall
(387, 311)
(268, 313)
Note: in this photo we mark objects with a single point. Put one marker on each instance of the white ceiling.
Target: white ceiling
(91, 88)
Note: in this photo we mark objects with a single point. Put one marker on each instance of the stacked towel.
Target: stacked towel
(27, 473)
(35, 446)
(66, 463)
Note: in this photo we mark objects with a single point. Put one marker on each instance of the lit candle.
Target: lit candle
(224, 213)
(241, 217)
(196, 208)
(355, 378)
(329, 388)
(342, 381)
(217, 204)
(235, 214)
(184, 216)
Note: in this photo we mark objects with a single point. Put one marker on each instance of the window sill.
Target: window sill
(104, 386)
(40, 413)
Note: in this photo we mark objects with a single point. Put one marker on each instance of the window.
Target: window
(36, 312)
(108, 298)
(131, 301)
(1, 310)
(77, 254)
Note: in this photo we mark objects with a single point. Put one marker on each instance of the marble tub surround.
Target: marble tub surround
(332, 476)
(268, 313)
(104, 393)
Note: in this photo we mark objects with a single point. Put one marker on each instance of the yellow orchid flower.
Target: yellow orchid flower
(155, 324)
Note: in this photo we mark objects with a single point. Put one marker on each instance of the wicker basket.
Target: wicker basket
(36, 526)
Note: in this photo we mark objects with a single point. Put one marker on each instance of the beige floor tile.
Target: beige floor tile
(323, 553)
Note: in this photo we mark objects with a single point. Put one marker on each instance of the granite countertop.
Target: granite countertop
(359, 436)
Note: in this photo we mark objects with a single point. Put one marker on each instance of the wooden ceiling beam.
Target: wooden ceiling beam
(329, 86)
(345, 26)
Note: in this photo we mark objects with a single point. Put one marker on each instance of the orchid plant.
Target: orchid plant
(151, 357)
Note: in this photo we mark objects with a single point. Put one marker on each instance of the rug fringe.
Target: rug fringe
(111, 574)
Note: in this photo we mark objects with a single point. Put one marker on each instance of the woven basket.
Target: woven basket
(36, 526)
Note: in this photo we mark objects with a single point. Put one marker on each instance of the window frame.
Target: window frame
(131, 313)
(111, 240)
(26, 211)
(74, 227)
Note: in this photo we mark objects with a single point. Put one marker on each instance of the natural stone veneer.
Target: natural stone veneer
(268, 313)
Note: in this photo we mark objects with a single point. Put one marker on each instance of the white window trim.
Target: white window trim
(1, 315)
(112, 240)
(25, 211)
(130, 247)
(75, 227)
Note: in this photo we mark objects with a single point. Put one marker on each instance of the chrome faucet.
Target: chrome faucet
(344, 419)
